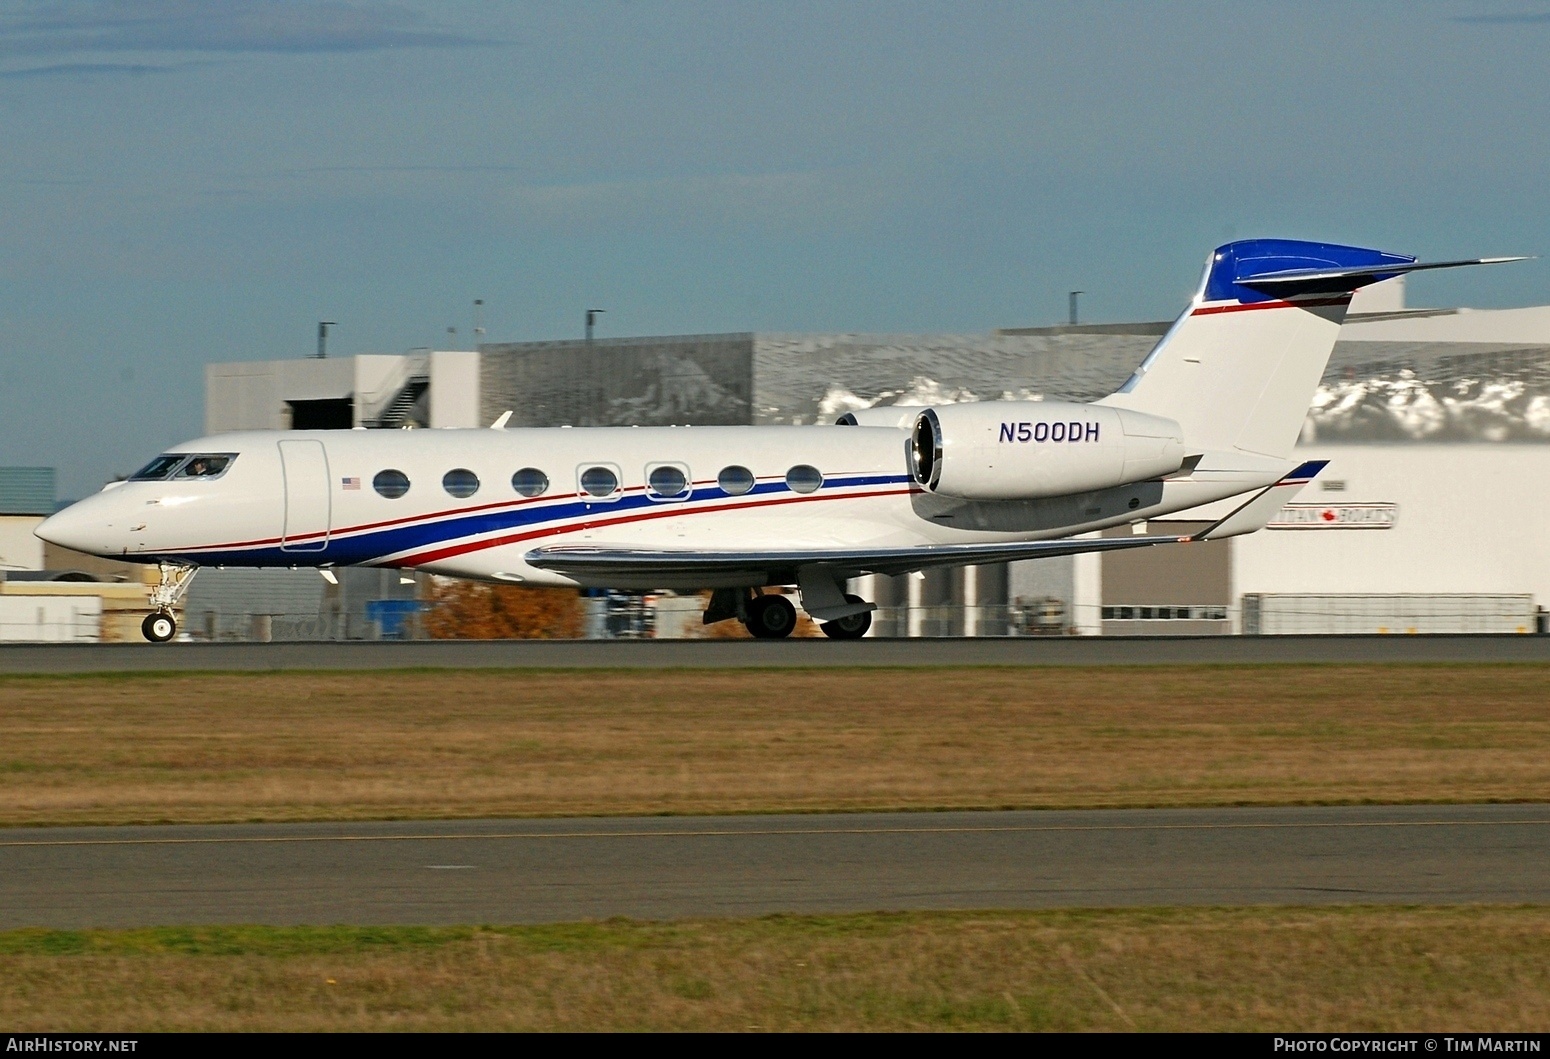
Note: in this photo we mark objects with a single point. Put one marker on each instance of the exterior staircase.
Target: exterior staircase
(397, 412)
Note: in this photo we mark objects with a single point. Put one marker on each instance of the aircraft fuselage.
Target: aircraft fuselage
(325, 498)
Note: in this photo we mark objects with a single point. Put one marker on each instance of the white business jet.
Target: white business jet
(1212, 413)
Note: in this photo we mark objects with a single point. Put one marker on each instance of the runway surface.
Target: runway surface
(515, 871)
(668, 654)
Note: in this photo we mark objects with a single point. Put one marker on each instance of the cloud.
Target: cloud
(292, 26)
(1525, 18)
(81, 70)
(410, 169)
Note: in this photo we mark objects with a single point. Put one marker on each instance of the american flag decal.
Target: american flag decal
(351, 483)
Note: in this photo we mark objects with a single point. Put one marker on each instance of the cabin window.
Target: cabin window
(391, 484)
(205, 465)
(530, 481)
(601, 482)
(460, 482)
(804, 479)
(668, 481)
(159, 468)
(735, 480)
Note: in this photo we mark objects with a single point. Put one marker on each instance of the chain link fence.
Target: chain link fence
(620, 615)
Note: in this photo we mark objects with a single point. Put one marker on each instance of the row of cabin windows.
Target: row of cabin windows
(664, 481)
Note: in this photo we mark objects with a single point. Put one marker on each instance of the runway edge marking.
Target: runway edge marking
(765, 832)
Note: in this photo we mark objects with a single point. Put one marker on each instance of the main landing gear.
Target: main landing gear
(160, 626)
(851, 627)
(772, 617)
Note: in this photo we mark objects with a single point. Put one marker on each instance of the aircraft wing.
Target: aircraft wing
(781, 564)
(793, 565)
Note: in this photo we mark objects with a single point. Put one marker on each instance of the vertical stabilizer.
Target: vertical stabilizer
(1239, 368)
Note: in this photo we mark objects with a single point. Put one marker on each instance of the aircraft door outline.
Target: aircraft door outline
(308, 496)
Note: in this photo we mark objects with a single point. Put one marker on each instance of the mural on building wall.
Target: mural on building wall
(1371, 392)
(699, 379)
(814, 378)
(1380, 391)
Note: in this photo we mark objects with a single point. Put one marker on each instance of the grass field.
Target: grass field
(309, 746)
(1251, 969)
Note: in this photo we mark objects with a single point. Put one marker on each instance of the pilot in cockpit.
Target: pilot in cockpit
(203, 467)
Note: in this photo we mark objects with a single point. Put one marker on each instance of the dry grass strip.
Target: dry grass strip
(309, 746)
(1346, 969)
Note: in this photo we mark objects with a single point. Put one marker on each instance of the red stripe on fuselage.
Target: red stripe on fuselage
(448, 552)
(509, 504)
(431, 516)
(1212, 310)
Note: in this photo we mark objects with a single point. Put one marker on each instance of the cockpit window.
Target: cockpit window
(159, 468)
(205, 465)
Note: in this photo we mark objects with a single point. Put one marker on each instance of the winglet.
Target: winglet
(1255, 514)
(500, 423)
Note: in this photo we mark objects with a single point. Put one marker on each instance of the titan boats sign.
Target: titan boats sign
(1335, 516)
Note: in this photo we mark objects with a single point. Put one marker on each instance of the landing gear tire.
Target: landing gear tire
(851, 628)
(771, 617)
(159, 627)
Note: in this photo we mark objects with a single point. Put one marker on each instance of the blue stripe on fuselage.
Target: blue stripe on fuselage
(367, 547)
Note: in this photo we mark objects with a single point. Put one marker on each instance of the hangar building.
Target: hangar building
(1434, 421)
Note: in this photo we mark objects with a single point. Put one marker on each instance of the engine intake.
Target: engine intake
(1025, 450)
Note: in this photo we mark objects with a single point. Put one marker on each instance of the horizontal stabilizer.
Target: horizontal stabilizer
(1335, 280)
(593, 561)
(1257, 513)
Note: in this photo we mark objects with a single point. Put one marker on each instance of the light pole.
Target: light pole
(478, 328)
(1071, 305)
(592, 315)
(323, 326)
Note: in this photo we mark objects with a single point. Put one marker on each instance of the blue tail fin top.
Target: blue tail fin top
(1234, 268)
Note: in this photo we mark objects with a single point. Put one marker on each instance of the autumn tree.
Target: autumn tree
(467, 610)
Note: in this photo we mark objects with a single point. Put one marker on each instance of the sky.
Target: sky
(191, 181)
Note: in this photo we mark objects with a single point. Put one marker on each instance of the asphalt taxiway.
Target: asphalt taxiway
(529, 871)
(716, 654)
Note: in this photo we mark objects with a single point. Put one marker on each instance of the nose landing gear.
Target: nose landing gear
(160, 626)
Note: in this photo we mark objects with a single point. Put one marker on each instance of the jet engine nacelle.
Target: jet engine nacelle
(891, 415)
(1023, 450)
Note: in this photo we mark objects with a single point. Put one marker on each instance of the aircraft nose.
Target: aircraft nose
(72, 528)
